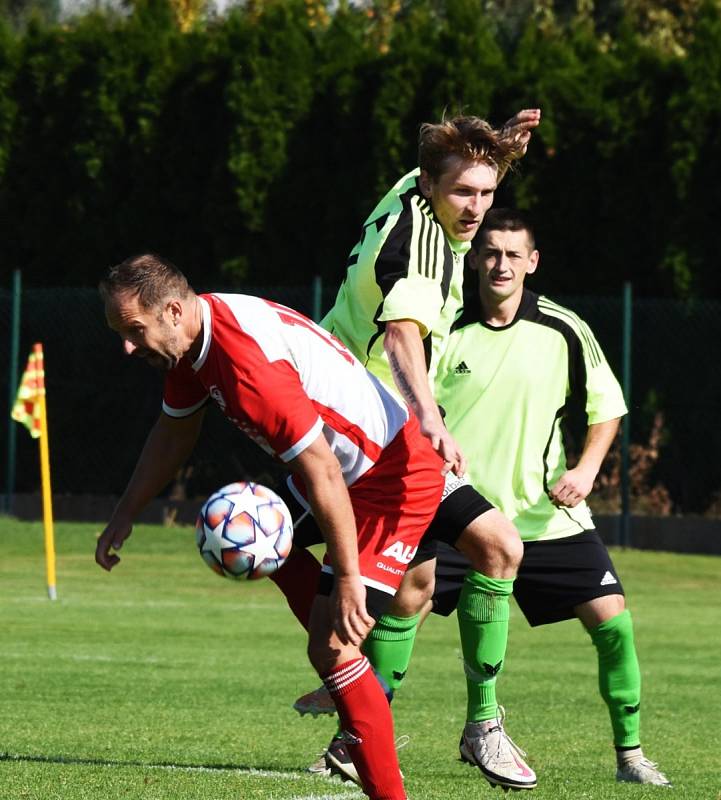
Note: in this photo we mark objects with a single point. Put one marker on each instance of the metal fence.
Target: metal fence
(101, 405)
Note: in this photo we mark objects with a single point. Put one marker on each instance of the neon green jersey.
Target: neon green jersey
(505, 391)
(403, 267)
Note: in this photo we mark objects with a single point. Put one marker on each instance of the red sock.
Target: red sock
(298, 580)
(367, 726)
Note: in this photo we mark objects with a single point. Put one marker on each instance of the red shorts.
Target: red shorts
(394, 502)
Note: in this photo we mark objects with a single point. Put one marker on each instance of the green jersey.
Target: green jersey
(403, 267)
(505, 391)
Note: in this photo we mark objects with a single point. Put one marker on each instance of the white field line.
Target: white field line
(353, 794)
(79, 657)
(350, 796)
(227, 606)
(247, 771)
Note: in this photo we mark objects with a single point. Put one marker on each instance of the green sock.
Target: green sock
(389, 646)
(483, 612)
(619, 677)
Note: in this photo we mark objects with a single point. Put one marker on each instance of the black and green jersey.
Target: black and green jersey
(403, 267)
(505, 391)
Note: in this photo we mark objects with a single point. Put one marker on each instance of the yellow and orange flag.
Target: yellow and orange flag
(28, 408)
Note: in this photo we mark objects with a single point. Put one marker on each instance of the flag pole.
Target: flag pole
(30, 410)
(45, 478)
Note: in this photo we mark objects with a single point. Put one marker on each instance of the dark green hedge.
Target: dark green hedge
(252, 148)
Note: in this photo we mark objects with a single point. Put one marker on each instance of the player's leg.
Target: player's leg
(494, 550)
(610, 626)
(574, 577)
(388, 538)
(480, 582)
(362, 706)
(298, 577)
(389, 645)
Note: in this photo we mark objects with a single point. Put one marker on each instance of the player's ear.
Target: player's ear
(533, 260)
(426, 183)
(472, 259)
(175, 309)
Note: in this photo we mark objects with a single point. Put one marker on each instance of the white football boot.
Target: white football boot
(314, 703)
(634, 767)
(488, 746)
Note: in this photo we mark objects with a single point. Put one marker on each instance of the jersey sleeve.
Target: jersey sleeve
(604, 396)
(409, 269)
(275, 403)
(183, 393)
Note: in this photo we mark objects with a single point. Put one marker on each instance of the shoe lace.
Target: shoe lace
(503, 735)
(402, 741)
(648, 764)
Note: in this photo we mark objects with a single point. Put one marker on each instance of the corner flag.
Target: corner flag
(29, 409)
(32, 386)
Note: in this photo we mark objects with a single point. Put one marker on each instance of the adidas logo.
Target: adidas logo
(462, 369)
(608, 579)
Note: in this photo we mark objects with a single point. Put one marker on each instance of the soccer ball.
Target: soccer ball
(244, 530)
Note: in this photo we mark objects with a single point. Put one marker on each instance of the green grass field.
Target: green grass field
(162, 680)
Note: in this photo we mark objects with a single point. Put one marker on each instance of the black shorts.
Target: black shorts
(555, 576)
(458, 508)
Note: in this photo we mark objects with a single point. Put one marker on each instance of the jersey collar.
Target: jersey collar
(472, 311)
(207, 323)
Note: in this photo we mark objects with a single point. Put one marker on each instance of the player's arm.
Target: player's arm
(332, 509)
(576, 484)
(404, 348)
(169, 444)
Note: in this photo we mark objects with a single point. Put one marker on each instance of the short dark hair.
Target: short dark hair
(504, 219)
(148, 277)
(468, 138)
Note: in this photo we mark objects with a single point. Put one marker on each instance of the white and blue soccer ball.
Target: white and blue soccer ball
(244, 531)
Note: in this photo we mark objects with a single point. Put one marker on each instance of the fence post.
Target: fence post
(317, 290)
(625, 533)
(12, 390)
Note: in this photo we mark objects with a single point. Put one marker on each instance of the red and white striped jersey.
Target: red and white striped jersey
(283, 380)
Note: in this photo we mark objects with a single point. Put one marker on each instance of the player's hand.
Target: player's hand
(519, 127)
(351, 620)
(446, 446)
(112, 538)
(572, 487)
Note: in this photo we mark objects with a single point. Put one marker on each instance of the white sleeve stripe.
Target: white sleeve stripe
(301, 444)
(183, 412)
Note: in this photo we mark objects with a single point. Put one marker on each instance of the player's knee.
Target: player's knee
(510, 547)
(414, 593)
(493, 545)
(601, 610)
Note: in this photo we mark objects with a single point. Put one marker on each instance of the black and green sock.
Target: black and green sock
(483, 612)
(389, 647)
(619, 677)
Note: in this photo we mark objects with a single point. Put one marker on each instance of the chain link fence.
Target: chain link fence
(101, 404)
